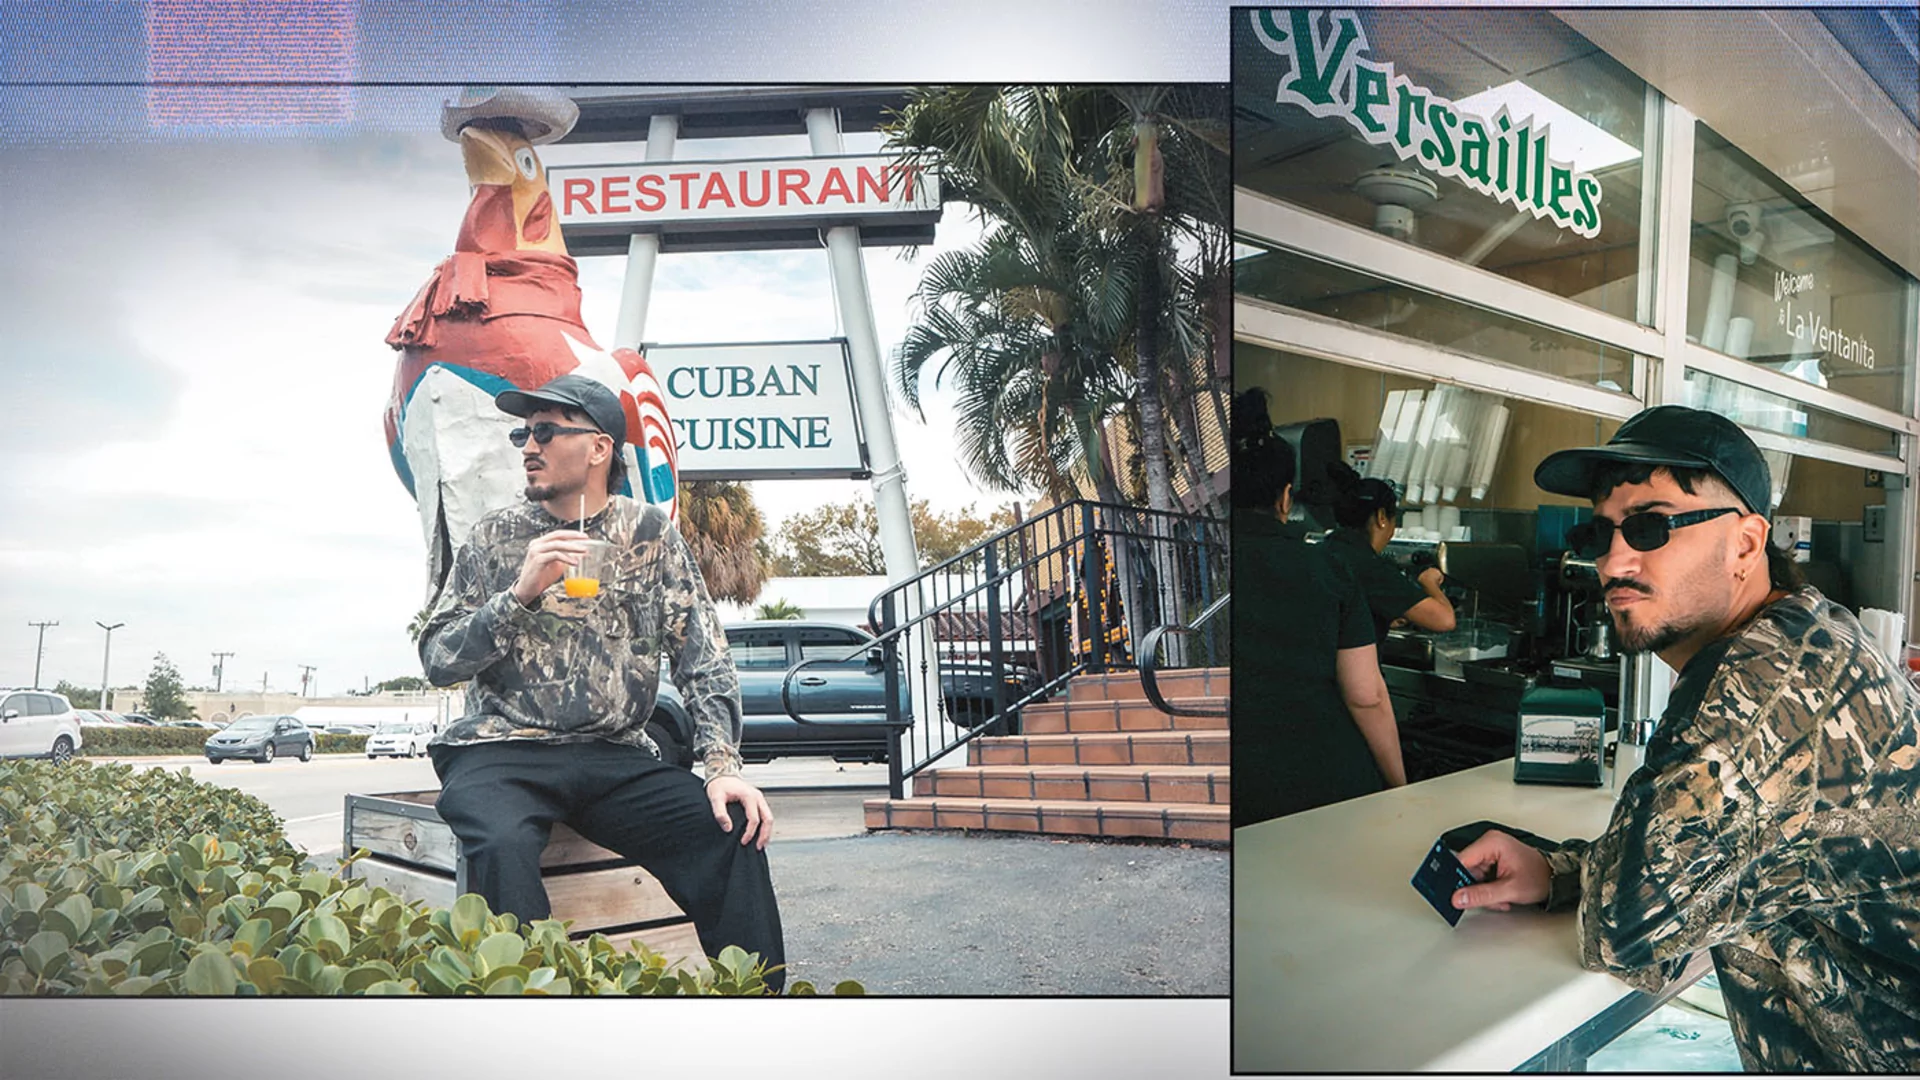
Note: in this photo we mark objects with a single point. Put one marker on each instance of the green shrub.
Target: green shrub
(340, 744)
(106, 740)
(117, 881)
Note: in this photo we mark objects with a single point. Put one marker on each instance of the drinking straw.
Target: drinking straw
(583, 511)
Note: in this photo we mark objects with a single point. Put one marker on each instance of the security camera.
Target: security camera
(1743, 221)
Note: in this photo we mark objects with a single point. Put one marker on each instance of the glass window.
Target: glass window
(1770, 412)
(831, 645)
(1360, 400)
(1500, 138)
(16, 704)
(1776, 282)
(1297, 281)
(42, 705)
(759, 651)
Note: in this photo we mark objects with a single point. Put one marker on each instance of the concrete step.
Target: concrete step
(1191, 822)
(1074, 717)
(1122, 748)
(1125, 685)
(1112, 783)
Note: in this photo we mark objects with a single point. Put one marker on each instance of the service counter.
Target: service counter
(1340, 966)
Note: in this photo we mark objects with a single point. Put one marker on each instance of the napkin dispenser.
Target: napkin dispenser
(1559, 736)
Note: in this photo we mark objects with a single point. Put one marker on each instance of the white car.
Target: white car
(38, 723)
(399, 740)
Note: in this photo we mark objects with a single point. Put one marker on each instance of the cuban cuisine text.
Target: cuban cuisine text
(1495, 156)
(740, 190)
(750, 432)
(761, 411)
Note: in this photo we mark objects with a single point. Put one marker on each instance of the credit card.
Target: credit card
(1439, 877)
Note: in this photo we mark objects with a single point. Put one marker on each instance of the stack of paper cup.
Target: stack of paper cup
(1888, 629)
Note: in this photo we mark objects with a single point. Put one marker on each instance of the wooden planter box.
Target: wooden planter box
(416, 855)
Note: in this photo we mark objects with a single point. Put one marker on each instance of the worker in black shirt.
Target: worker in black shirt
(1312, 723)
(1368, 512)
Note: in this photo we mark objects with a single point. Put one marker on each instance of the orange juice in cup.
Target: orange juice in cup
(584, 577)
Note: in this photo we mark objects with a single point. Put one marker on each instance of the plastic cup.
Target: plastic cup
(584, 577)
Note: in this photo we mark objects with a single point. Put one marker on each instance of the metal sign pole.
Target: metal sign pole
(643, 248)
(889, 479)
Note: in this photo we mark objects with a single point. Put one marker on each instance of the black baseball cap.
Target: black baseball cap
(588, 395)
(1671, 435)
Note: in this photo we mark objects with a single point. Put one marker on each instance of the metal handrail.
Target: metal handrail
(1123, 553)
(1150, 665)
(786, 695)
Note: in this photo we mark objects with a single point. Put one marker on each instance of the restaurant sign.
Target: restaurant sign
(765, 411)
(1493, 155)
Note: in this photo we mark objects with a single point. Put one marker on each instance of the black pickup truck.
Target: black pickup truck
(850, 693)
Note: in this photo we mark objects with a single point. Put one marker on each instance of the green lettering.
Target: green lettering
(1369, 90)
(1539, 170)
(1413, 106)
(1311, 81)
(1561, 187)
(1473, 151)
(1439, 149)
(1589, 207)
(1501, 177)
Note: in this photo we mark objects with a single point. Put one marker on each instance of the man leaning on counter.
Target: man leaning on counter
(1776, 818)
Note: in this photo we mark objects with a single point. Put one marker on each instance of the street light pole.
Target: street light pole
(106, 658)
(40, 649)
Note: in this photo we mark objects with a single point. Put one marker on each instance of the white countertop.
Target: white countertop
(1339, 965)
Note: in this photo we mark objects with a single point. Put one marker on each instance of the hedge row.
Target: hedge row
(116, 881)
(109, 740)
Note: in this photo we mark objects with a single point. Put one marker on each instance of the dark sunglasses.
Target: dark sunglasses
(544, 431)
(1644, 531)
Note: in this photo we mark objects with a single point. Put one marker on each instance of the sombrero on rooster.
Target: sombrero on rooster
(545, 115)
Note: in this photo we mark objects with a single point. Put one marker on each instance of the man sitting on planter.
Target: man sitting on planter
(560, 687)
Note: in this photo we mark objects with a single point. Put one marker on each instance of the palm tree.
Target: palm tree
(1106, 240)
(1168, 190)
(1027, 325)
(780, 610)
(419, 624)
(723, 529)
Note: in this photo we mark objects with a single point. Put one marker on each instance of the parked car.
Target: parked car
(38, 723)
(205, 725)
(404, 739)
(261, 738)
(847, 690)
(101, 717)
(141, 719)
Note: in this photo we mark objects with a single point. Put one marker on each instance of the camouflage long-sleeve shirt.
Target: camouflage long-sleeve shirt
(1776, 821)
(571, 669)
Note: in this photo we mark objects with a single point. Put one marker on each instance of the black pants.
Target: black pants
(502, 799)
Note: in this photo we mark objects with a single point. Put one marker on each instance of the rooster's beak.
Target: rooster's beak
(486, 156)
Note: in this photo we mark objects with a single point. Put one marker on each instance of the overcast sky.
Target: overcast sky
(196, 373)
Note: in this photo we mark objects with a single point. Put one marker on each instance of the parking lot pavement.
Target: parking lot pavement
(938, 913)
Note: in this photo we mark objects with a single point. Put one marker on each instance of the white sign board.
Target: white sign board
(639, 197)
(761, 411)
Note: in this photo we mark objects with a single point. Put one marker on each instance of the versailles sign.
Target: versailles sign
(1493, 155)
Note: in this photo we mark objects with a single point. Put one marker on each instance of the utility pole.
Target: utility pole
(263, 682)
(219, 669)
(306, 676)
(39, 649)
(106, 658)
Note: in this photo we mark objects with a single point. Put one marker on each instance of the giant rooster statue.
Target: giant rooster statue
(503, 311)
